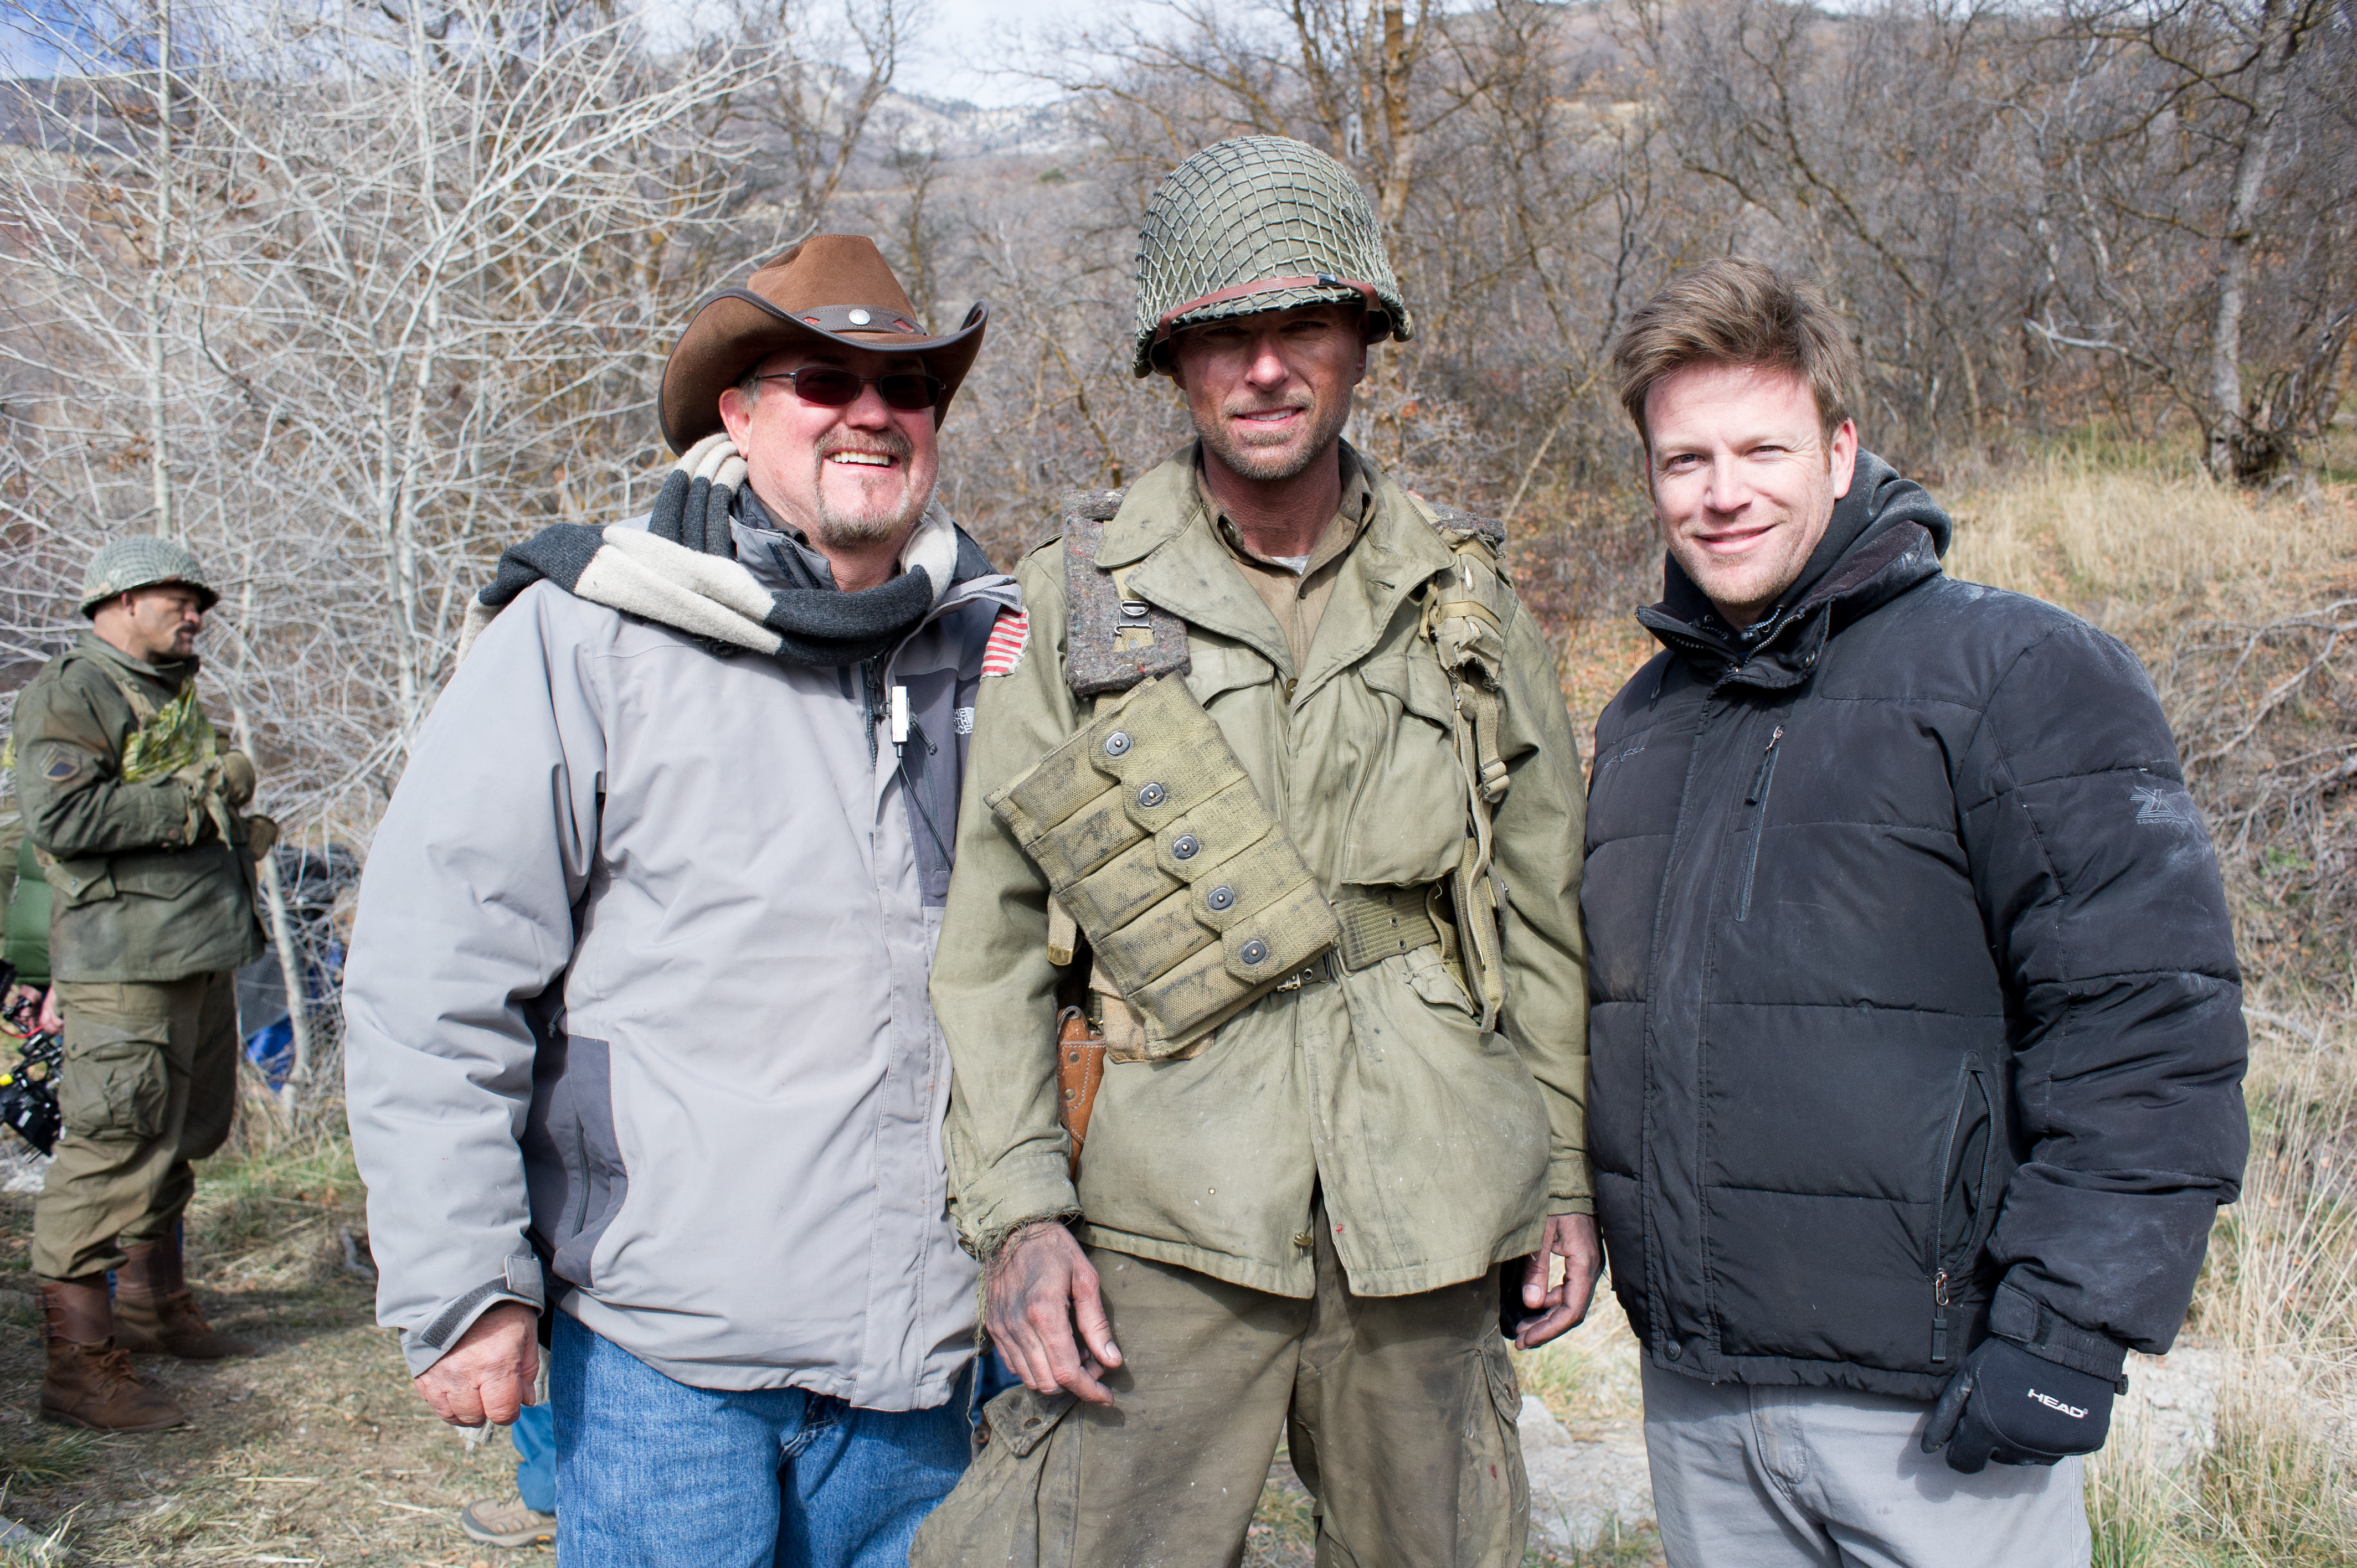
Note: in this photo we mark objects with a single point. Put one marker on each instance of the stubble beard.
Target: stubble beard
(1274, 465)
(878, 522)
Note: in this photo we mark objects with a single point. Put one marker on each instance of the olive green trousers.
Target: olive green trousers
(1399, 1411)
(148, 1085)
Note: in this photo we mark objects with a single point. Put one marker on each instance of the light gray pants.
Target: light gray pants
(1767, 1477)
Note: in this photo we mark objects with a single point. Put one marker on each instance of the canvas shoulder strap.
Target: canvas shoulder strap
(1465, 616)
(1114, 642)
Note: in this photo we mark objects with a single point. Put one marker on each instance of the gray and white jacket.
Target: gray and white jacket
(638, 989)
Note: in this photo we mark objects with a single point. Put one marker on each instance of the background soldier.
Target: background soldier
(1276, 732)
(134, 812)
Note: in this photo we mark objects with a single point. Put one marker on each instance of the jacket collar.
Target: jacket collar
(173, 674)
(1886, 535)
(1163, 528)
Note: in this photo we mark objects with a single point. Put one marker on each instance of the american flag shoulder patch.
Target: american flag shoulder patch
(1009, 638)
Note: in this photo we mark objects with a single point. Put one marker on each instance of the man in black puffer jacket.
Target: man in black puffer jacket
(1916, 1040)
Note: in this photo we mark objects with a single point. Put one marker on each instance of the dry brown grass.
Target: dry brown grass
(317, 1452)
(2158, 539)
(2277, 1304)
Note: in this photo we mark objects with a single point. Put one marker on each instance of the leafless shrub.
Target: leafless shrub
(2266, 715)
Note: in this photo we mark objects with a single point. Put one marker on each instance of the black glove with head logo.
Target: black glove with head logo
(2017, 1408)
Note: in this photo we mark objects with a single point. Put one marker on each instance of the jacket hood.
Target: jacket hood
(1885, 536)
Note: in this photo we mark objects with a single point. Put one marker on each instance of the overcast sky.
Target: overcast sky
(958, 50)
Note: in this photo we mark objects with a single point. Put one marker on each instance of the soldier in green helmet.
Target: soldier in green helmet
(137, 816)
(1261, 973)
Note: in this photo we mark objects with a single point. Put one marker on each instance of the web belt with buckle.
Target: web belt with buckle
(1319, 970)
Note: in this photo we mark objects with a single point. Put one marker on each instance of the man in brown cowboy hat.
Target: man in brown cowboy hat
(636, 1010)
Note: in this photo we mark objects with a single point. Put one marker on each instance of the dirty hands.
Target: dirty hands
(489, 1374)
(1572, 1237)
(1040, 1285)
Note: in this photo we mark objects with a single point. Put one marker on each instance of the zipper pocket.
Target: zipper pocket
(581, 1154)
(1757, 799)
(1944, 1261)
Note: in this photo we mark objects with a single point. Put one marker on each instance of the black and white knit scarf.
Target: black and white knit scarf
(682, 571)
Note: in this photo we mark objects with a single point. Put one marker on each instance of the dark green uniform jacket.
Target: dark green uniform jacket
(135, 899)
(27, 942)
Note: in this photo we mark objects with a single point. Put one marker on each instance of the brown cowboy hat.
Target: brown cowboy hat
(831, 288)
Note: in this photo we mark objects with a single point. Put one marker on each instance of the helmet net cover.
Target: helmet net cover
(141, 560)
(1252, 207)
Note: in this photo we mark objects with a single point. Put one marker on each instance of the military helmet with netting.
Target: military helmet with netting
(141, 560)
(1258, 223)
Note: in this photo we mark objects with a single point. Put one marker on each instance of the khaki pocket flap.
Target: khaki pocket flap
(1120, 890)
(1022, 1420)
(1281, 935)
(1083, 842)
(1506, 1388)
(1248, 885)
(1222, 827)
(1189, 1001)
(1055, 787)
(170, 874)
(1416, 678)
(1152, 945)
(84, 879)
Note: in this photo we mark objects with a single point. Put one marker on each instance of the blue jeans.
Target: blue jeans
(655, 1473)
(535, 1436)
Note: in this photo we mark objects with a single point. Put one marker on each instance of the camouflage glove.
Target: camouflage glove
(2015, 1408)
(261, 835)
(236, 777)
(214, 790)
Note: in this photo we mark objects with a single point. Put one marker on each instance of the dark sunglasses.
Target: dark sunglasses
(828, 387)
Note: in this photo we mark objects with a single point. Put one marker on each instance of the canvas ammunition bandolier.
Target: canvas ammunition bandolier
(1194, 900)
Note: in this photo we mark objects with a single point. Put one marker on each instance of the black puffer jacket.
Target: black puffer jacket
(1916, 1015)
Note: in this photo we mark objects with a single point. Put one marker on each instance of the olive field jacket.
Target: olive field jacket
(1438, 1147)
(134, 901)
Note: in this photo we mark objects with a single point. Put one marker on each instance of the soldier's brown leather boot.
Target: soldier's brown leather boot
(90, 1382)
(154, 1313)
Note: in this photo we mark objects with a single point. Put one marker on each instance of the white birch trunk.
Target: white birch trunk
(2227, 423)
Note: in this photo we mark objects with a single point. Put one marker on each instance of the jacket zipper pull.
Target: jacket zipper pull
(1940, 1319)
(899, 719)
(1760, 776)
